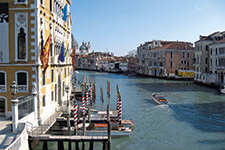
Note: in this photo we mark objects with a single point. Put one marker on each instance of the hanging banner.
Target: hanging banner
(4, 30)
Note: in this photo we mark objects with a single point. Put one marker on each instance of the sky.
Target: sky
(120, 26)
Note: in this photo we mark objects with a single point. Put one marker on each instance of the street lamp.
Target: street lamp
(14, 101)
(67, 88)
(13, 88)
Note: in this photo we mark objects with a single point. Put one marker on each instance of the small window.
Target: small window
(63, 88)
(51, 50)
(188, 65)
(52, 75)
(52, 95)
(43, 101)
(171, 64)
(181, 62)
(65, 72)
(2, 78)
(188, 55)
(43, 79)
(171, 54)
(51, 5)
(206, 60)
(216, 51)
(21, 78)
(206, 47)
(184, 61)
(183, 54)
(211, 51)
(21, 1)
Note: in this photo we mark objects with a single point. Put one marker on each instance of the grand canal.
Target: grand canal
(193, 119)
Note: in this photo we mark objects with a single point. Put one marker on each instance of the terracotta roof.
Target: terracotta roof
(218, 42)
(85, 56)
(175, 45)
(105, 59)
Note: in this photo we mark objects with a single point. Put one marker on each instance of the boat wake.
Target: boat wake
(163, 106)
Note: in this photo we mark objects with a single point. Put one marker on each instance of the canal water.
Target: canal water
(193, 119)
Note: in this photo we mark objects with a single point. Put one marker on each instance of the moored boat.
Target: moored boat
(159, 99)
(101, 129)
(222, 89)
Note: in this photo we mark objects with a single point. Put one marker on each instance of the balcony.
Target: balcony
(2, 88)
(22, 88)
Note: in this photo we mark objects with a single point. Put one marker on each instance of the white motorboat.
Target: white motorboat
(159, 99)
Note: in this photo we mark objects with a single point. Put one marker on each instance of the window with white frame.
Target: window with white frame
(20, 2)
(22, 81)
(2, 81)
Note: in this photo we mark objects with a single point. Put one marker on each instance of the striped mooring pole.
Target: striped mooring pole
(87, 102)
(120, 109)
(83, 103)
(117, 94)
(75, 116)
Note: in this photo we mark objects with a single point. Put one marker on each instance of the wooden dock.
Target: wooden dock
(60, 139)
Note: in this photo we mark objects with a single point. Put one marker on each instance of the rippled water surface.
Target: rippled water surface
(193, 119)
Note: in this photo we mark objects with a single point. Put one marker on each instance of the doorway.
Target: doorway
(2, 107)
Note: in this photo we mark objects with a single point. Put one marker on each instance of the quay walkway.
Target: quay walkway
(6, 135)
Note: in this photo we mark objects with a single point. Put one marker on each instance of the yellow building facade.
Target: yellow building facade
(24, 28)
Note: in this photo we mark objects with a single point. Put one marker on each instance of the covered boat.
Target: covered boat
(159, 99)
(101, 129)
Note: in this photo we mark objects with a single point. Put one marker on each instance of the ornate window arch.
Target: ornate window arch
(21, 34)
(21, 44)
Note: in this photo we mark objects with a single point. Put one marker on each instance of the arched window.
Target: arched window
(22, 81)
(21, 47)
(2, 81)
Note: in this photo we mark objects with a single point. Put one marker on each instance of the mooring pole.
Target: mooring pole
(75, 116)
(109, 127)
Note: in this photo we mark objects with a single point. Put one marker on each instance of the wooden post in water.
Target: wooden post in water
(45, 145)
(91, 93)
(60, 145)
(101, 89)
(89, 114)
(94, 92)
(108, 88)
(109, 127)
(77, 145)
(91, 145)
